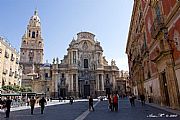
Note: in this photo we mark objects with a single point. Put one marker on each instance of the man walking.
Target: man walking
(8, 106)
(32, 103)
(42, 104)
(91, 104)
(142, 97)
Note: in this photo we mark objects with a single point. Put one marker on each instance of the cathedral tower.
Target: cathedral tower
(31, 51)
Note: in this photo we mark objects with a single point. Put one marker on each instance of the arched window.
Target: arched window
(39, 43)
(29, 33)
(37, 33)
(33, 34)
(85, 63)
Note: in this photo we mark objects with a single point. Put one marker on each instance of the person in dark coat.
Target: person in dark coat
(91, 103)
(8, 106)
(131, 99)
(110, 101)
(32, 103)
(42, 104)
(142, 97)
(1, 103)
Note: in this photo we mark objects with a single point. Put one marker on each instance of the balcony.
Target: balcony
(12, 58)
(157, 26)
(16, 74)
(17, 61)
(11, 73)
(6, 54)
(5, 71)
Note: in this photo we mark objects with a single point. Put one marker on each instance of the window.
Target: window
(85, 63)
(46, 75)
(12, 57)
(158, 13)
(30, 59)
(74, 57)
(37, 34)
(177, 39)
(39, 43)
(151, 90)
(107, 75)
(29, 33)
(33, 34)
(62, 75)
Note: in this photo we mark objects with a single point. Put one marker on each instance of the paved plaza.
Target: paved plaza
(79, 111)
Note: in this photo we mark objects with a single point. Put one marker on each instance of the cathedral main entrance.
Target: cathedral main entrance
(86, 91)
(63, 92)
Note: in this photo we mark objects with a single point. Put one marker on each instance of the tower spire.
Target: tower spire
(36, 12)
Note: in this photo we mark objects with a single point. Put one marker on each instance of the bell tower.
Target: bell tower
(32, 49)
(32, 43)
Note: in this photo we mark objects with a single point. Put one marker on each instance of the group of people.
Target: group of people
(6, 104)
(42, 103)
(132, 99)
(113, 102)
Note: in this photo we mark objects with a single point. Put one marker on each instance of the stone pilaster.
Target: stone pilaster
(172, 87)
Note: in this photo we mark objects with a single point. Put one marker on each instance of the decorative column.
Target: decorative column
(102, 82)
(77, 88)
(172, 87)
(71, 82)
(97, 82)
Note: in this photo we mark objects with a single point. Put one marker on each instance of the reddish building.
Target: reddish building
(153, 50)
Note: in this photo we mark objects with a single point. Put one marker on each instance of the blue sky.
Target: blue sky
(61, 20)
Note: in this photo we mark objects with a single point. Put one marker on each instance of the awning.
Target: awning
(10, 94)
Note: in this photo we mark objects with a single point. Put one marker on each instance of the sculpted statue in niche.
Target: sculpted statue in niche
(85, 46)
(107, 80)
(62, 81)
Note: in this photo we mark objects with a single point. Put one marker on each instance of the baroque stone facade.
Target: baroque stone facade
(153, 50)
(82, 72)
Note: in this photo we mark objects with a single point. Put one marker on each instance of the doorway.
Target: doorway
(86, 91)
(165, 89)
(62, 92)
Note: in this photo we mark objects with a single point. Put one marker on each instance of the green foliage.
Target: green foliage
(17, 88)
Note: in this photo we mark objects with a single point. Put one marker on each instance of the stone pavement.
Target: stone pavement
(126, 112)
(53, 102)
(79, 111)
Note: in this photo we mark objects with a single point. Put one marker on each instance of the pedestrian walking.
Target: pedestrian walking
(42, 103)
(71, 100)
(91, 104)
(32, 103)
(8, 106)
(142, 97)
(131, 99)
(1, 103)
(115, 102)
(110, 101)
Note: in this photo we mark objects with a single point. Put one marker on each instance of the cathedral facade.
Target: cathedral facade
(82, 72)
